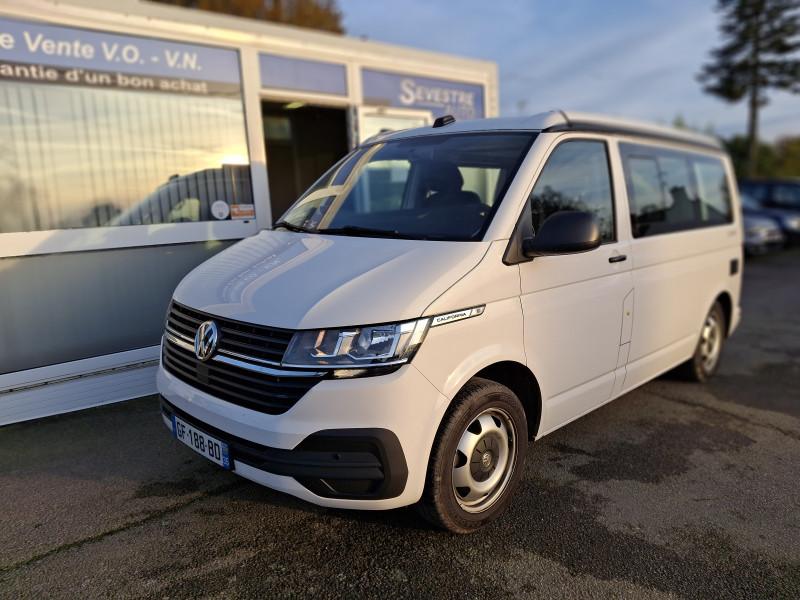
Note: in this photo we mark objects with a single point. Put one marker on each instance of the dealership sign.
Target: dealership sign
(35, 53)
(441, 97)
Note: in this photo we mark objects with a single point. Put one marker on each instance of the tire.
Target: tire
(703, 364)
(486, 422)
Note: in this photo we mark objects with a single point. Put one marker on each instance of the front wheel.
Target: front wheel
(708, 351)
(477, 457)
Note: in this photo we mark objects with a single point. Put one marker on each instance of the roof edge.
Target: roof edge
(580, 121)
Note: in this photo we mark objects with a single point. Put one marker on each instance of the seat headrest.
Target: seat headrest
(443, 176)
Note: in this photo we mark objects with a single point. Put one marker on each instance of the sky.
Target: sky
(626, 58)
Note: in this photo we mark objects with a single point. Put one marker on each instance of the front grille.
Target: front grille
(255, 341)
(249, 386)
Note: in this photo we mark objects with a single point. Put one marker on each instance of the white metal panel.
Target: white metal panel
(31, 378)
(573, 308)
(131, 236)
(677, 277)
(79, 386)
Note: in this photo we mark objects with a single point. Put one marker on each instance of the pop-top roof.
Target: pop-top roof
(559, 120)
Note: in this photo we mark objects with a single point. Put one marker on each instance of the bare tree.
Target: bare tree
(761, 39)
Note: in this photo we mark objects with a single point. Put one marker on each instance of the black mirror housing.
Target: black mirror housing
(566, 232)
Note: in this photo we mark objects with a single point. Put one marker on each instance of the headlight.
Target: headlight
(356, 347)
(792, 223)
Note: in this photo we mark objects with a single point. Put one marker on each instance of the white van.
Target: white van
(441, 296)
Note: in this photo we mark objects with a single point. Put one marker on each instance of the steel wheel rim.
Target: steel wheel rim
(710, 343)
(484, 460)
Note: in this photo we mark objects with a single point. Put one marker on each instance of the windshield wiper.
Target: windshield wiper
(292, 227)
(369, 232)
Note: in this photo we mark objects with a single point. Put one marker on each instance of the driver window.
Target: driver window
(576, 177)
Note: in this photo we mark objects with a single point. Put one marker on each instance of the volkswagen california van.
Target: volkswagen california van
(442, 296)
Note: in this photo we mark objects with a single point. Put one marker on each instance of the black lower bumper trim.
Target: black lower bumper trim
(363, 464)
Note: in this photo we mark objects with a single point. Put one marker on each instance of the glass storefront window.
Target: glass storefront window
(93, 147)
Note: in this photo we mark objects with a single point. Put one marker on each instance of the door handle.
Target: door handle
(617, 258)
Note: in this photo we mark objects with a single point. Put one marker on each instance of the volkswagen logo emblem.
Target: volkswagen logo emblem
(205, 341)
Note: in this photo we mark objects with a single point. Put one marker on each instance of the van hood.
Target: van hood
(313, 281)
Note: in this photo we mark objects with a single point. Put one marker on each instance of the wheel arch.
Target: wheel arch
(726, 303)
(519, 379)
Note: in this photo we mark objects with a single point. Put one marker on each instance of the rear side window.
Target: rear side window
(672, 190)
(576, 177)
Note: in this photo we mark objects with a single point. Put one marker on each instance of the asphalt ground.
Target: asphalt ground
(675, 490)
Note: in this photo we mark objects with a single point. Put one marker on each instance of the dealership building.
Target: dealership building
(137, 140)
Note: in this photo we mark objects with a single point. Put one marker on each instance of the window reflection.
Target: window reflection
(74, 157)
(669, 190)
(576, 177)
(193, 197)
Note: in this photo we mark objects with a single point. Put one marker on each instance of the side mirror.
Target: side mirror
(567, 232)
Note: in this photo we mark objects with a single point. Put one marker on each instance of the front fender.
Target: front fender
(453, 353)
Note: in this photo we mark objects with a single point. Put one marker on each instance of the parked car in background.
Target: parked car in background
(781, 193)
(762, 235)
(778, 199)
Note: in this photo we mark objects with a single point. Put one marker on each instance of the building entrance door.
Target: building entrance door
(302, 142)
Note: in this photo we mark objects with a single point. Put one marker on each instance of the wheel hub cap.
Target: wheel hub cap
(487, 460)
(711, 341)
(483, 463)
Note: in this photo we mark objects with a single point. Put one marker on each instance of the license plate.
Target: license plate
(201, 442)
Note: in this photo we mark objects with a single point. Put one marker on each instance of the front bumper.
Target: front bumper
(351, 443)
(340, 463)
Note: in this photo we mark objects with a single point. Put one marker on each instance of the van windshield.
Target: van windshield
(442, 187)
